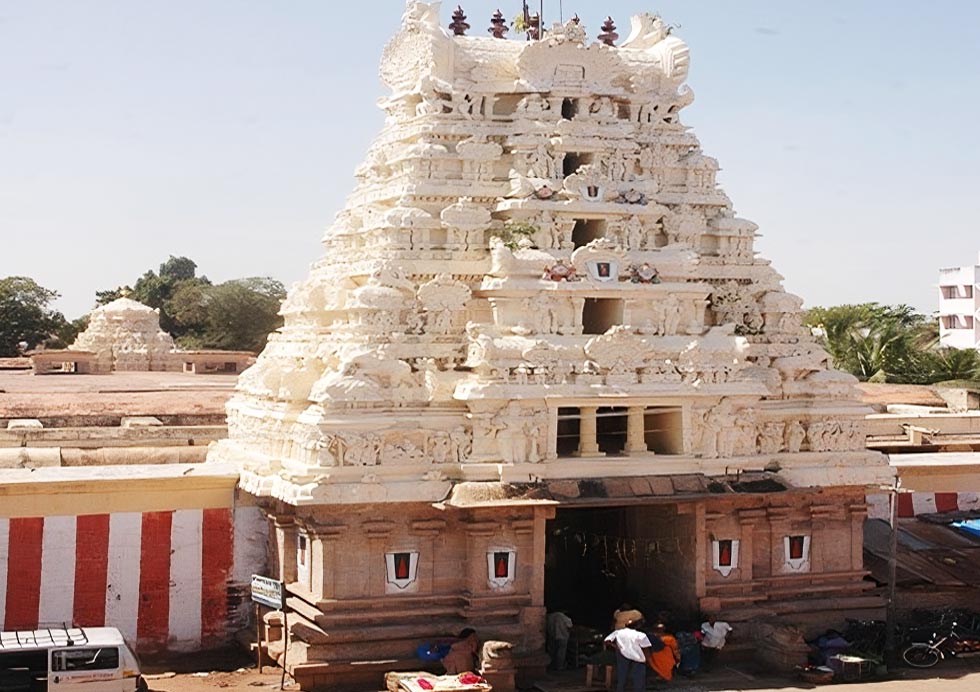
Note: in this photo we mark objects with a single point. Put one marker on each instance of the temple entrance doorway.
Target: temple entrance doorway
(598, 558)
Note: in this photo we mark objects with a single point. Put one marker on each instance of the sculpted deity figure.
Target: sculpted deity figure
(795, 435)
(560, 271)
(550, 233)
(361, 450)
(467, 105)
(603, 108)
(634, 233)
(460, 445)
(541, 163)
(440, 447)
(534, 105)
(771, 437)
(673, 311)
(718, 432)
(403, 452)
(533, 431)
(508, 427)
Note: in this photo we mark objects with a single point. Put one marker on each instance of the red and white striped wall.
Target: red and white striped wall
(171, 580)
(916, 503)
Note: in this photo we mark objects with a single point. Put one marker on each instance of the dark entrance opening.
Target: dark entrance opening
(611, 430)
(600, 557)
(569, 108)
(587, 230)
(569, 424)
(599, 314)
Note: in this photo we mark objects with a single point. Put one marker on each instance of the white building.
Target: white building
(959, 307)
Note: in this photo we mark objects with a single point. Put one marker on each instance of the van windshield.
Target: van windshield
(105, 658)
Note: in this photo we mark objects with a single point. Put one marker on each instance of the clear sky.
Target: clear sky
(228, 131)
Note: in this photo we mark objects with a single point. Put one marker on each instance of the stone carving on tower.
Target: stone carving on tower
(534, 227)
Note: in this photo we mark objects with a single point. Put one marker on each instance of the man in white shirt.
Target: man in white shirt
(715, 633)
(632, 648)
(558, 626)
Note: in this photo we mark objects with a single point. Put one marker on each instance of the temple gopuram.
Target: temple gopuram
(540, 365)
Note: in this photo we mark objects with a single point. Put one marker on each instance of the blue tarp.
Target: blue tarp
(971, 526)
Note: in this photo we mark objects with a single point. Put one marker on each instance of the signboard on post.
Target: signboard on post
(268, 592)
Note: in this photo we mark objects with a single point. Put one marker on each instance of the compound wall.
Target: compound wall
(170, 579)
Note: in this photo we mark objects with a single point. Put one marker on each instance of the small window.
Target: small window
(587, 230)
(569, 424)
(106, 658)
(797, 545)
(611, 424)
(301, 550)
(599, 315)
(569, 108)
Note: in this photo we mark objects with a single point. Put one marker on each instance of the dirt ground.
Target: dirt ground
(120, 394)
(231, 670)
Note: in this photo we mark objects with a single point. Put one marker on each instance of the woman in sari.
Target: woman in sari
(665, 660)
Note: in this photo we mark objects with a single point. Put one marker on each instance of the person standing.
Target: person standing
(666, 659)
(557, 628)
(462, 654)
(632, 649)
(715, 634)
(624, 614)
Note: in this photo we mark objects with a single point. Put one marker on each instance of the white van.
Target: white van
(73, 659)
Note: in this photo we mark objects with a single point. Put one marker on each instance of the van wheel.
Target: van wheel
(141, 685)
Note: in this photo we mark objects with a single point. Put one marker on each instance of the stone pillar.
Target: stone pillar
(478, 535)
(636, 442)
(858, 512)
(579, 306)
(747, 520)
(286, 543)
(427, 531)
(323, 559)
(588, 445)
(374, 578)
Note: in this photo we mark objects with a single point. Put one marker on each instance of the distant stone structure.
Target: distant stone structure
(540, 350)
(126, 335)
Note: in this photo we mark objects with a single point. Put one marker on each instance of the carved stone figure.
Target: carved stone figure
(795, 435)
(635, 233)
(644, 274)
(509, 430)
(541, 163)
(440, 447)
(560, 271)
(771, 437)
(460, 444)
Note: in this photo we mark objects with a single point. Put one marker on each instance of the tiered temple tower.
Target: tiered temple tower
(537, 299)
(126, 336)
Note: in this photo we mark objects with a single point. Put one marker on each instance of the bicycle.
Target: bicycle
(928, 654)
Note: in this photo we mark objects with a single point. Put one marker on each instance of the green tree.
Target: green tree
(945, 364)
(25, 315)
(178, 269)
(875, 342)
(156, 289)
(236, 315)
